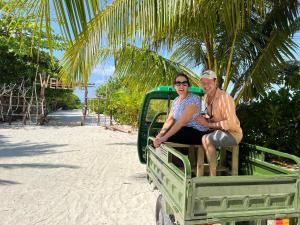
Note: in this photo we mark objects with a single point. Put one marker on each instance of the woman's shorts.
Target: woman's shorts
(188, 135)
(220, 138)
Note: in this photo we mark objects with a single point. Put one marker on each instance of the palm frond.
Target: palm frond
(158, 23)
(263, 70)
(265, 48)
(145, 69)
(83, 66)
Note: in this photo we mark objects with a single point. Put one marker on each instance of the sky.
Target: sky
(98, 76)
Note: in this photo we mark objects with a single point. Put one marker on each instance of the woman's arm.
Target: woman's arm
(187, 115)
(168, 123)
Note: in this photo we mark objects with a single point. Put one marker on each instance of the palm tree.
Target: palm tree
(245, 41)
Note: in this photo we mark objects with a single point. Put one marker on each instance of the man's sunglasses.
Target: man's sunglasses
(184, 83)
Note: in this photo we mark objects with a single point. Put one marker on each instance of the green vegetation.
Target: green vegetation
(64, 99)
(274, 119)
(123, 102)
(20, 60)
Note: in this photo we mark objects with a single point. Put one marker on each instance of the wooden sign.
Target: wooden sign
(56, 84)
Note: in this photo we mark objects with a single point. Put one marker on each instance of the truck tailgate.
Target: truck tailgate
(243, 197)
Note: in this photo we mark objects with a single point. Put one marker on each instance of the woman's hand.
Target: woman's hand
(202, 120)
(158, 140)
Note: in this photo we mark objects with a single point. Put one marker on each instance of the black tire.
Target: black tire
(160, 215)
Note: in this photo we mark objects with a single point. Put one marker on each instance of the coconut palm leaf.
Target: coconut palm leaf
(71, 15)
(81, 69)
(236, 53)
(135, 64)
(266, 48)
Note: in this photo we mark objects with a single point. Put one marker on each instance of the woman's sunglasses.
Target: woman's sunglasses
(183, 83)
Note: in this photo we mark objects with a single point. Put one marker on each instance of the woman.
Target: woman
(221, 119)
(180, 126)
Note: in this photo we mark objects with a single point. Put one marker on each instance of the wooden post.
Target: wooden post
(85, 106)
(85, 100)
(98, 111)
(24, 109)
(9, 113)
(200, 161)
(44, 83)
(235, 160)
(110, 117)
(191, 154)
(223, 157)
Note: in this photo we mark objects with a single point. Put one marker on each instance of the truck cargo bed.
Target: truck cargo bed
(199, 200)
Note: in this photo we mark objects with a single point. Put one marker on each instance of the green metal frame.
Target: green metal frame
(258, 160)
(198, 200)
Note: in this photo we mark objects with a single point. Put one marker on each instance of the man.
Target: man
(220, 118)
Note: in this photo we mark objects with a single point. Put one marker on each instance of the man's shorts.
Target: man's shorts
(220, 138)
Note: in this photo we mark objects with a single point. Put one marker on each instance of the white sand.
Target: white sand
(72, 175)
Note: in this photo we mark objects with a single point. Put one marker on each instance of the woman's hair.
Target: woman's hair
(182, 75)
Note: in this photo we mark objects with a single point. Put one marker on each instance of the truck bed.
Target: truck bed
(199, 200)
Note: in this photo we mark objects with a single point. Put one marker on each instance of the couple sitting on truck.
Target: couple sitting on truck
(219, 127)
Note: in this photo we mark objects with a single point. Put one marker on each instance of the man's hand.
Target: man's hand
(202, 120)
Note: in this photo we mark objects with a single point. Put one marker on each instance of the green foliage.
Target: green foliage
(125, 105)
(14, 67)
(20, 58)
(123, 101)
(64, 99)
(274, 120)
(245, 42)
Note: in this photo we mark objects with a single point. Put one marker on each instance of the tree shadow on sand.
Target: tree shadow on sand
(7, 182)
(37, 165)
(26, 148)
(138, 178)
(124, 143)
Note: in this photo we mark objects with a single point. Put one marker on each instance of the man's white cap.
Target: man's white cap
(209, 74)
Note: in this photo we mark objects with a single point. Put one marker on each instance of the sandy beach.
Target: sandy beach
(72, 175)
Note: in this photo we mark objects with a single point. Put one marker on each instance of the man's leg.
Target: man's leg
(210, 152)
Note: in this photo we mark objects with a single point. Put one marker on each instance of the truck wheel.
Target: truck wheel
(161, 217)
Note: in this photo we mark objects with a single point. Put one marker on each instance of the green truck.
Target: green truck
(266, 190)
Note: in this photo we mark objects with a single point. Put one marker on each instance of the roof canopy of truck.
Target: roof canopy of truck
(171, 89)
